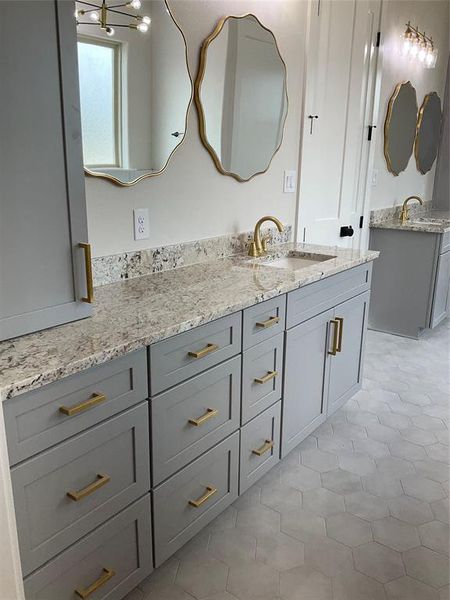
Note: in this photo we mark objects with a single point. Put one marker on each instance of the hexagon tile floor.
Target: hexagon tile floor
(359, 511)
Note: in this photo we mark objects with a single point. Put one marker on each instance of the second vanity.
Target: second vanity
(131, 431)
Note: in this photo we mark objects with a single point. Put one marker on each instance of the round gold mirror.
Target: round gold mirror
(428, 132)
(400, 127)
(135, 89)
(241, 96)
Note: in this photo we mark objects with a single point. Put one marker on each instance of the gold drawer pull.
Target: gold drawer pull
(107, 575)
(210, 491)
(74, 410)
(89, 298)
(334, 349)
(269, 323)
(270, 375)
(101, 480)
(206, 350)
(209, 414)
(341, 332)
(268, 445)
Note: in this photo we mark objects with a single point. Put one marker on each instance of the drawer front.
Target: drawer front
(311, 300)
(263, 321)
(37, 420)
(113, 560)
(445, 242)
(64, 493)
(194, 416)
(192, 498)
(262, 376)
(260, 446)
(187, 354)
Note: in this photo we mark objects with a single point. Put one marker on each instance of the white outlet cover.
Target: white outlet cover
(141, 224)
(289, 182)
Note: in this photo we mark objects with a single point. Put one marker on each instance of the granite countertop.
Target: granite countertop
(432, 221)
(133, 314)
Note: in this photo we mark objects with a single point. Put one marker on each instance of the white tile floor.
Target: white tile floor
(359, 511)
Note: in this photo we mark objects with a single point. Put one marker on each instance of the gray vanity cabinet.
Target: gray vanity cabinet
(346, 365)
(441, 296)
(306, 380)
(42, 203)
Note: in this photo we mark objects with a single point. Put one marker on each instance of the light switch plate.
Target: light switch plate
(141, 224)
(374, 180)
(289, 182)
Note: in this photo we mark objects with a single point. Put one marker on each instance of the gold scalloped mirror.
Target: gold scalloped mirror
(135, 91)
(400, 127)
(428, 132)
(241, 96)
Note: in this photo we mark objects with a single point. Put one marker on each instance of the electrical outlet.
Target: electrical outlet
(141, 224)
(289, 182)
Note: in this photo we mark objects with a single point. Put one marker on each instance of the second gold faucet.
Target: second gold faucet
(258, 246)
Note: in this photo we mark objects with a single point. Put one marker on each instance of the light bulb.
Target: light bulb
(110, 31)
(414, 49)
(94, 16)
(79, 13)
(135, 4)
(146, 20)
(142, 27)
(422, 52)
(406, 42)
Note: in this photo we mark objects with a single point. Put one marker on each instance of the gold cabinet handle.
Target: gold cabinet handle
(89, 298)
(210, 491)
(206, 350)
(268, 445)
(270, 375)
(269, 323)
(341, 332)
(101, 480)
(107, 575)
(74, 410)
(209, 414)
(334, 349)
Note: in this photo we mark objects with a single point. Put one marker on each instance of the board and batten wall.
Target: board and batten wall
(191, 200)
(433, 17)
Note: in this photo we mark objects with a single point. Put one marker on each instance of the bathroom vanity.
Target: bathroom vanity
(412, 277)
(129, 432)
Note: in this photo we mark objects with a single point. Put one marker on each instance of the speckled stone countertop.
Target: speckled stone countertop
(432, 221)
(132, 314)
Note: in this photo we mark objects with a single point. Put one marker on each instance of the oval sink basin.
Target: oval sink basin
(294, 262)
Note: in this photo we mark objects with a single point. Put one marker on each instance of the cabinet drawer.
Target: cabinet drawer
(263, 321)
(308, 301)
(262, 375)
(260, 446)
(115, 557)
(187, 354)
(35, 421)
(193, 416)
(193, 497)
(65, 492)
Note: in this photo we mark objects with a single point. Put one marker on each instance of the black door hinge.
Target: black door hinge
(378, 42)
(361, 221)
(369, 134)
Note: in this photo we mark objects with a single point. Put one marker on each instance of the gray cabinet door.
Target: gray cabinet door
(305, 380)
(42, 201)
(346, 365)
(441, 296)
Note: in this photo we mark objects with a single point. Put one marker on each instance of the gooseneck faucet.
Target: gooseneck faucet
(404, 215)
(258, 246)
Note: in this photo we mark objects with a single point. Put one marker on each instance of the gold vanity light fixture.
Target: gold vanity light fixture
(99, 14)
(418, 46)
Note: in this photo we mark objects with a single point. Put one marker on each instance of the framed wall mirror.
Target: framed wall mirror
(400, 127)
(135, 90)
(241, 96)
(428, 132)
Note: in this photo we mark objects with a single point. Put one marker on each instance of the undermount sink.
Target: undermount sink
(294, 261)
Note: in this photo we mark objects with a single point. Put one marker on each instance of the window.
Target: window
(99, 70)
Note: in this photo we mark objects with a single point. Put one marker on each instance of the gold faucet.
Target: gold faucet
(404, 215)
(258, 246)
